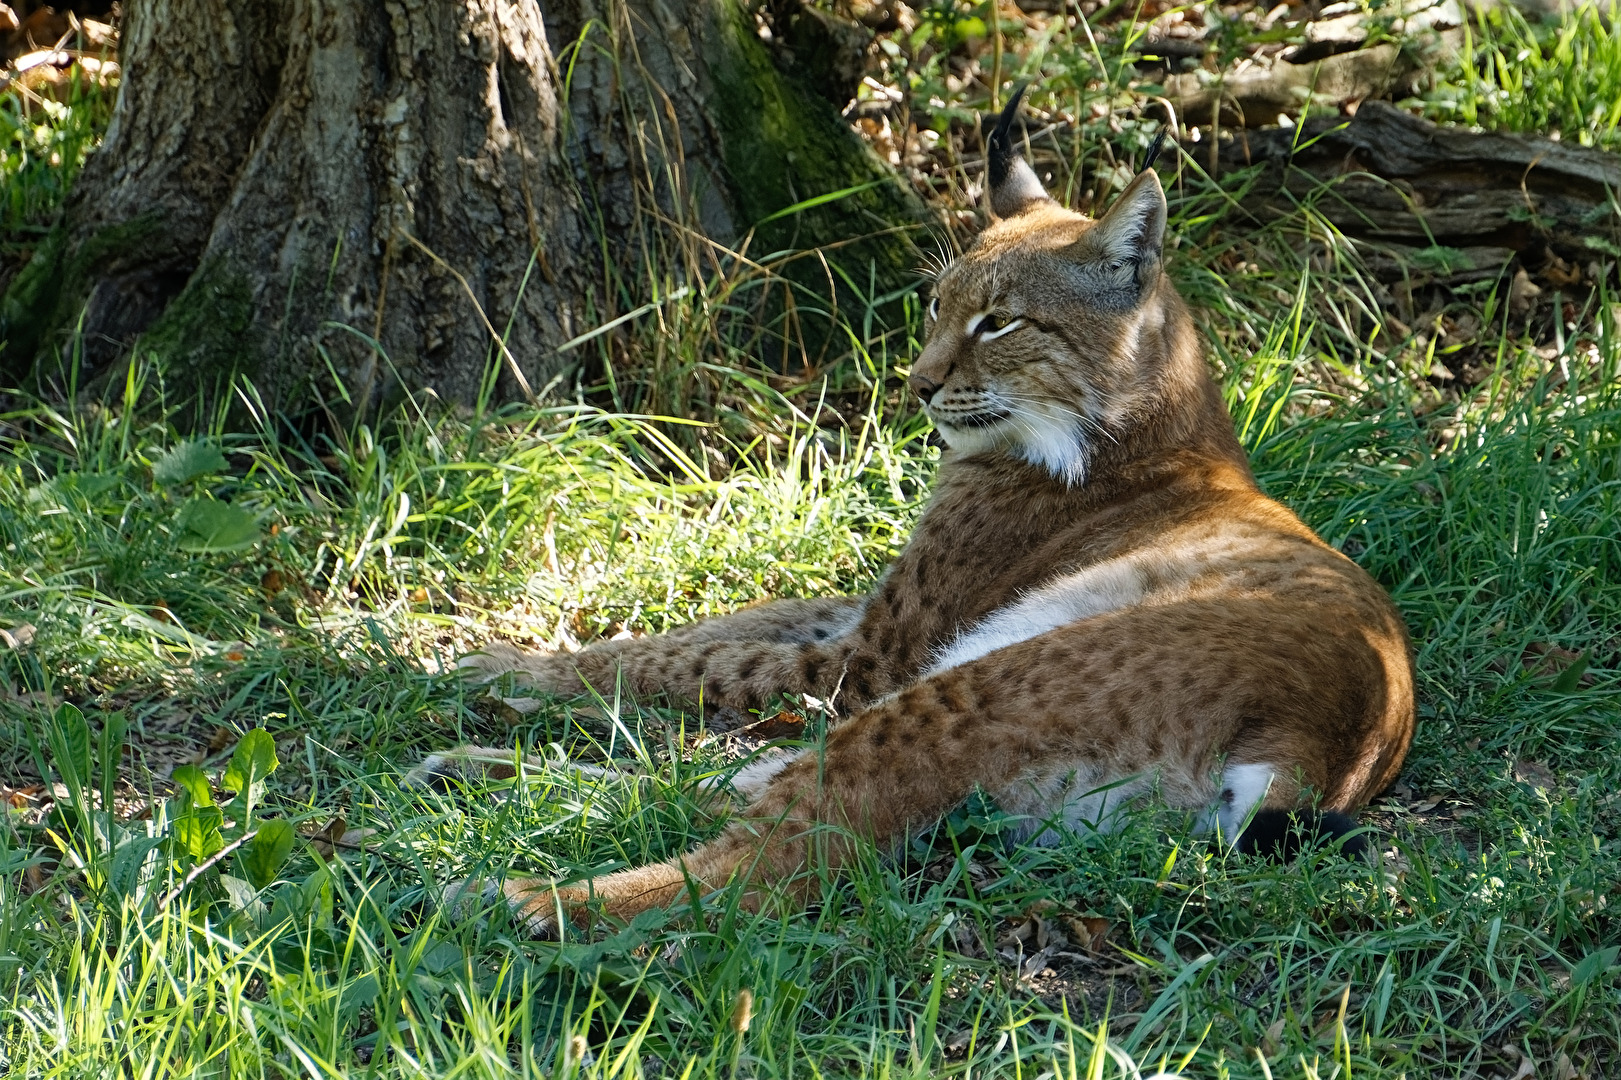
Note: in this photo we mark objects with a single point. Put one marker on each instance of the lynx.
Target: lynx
(1097, 603)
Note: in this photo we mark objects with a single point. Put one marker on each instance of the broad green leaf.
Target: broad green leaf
(261, 858)
(253, 760)
(1594, 964)
(188, 461)
(650, 921)
(198, 833)
(211, 525)
(1570, 680)
(444, 957)
(114, 728)
(243, 894)
(72, 489)
(193, 784)
(317, 896)
(70, 747)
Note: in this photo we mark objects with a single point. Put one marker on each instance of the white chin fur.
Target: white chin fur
(1049, 437)
(1044, 435)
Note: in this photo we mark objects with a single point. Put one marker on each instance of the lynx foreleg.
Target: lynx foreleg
(743, 675)
(741, 660)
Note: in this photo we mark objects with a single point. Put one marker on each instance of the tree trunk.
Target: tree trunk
(335, 197)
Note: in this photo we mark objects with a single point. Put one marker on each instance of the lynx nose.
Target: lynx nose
(924, 386)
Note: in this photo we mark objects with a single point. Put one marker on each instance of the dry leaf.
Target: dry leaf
(18, 637)
(1269, 1041)
(98, 35)
(273, 582)
(523, 706)
(784, 725)
(1086, 932)
(1036, 964)
(1561, 274)
(1521, 292)
(1528, 1067)
(1018, 934)
(965, 939)
(1544, 658)
(1564, 1069)
(1427, 805)
(222, 738)
(324, 842)
(1535, 773)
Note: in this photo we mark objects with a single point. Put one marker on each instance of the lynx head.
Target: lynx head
(1050, 335)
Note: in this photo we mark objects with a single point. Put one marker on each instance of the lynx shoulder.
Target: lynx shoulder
(1097, 602)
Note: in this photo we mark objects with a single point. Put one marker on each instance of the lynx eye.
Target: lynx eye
(934, 308)
(993, 324)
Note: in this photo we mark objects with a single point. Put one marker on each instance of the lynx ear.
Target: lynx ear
(1117, 259)
(1013, 185)
(1133, 230)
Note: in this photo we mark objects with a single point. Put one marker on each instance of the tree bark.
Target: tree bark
(337, 198)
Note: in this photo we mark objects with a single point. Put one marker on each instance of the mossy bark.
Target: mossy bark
(328, 198)
(784, 146)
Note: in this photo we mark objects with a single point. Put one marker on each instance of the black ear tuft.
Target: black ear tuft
(1153, 151)
(1000, 150)
(1011, 183)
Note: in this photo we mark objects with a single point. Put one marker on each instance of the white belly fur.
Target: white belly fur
(1106, 586)
(1081, 799)
(1078, 796)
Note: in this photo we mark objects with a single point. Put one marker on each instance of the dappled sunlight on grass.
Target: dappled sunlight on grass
(373, 562)
(183, 583)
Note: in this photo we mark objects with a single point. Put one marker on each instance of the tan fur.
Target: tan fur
(1178, 626)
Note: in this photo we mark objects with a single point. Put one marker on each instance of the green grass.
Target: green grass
(1491, 519)
(184, 590)
(1559, 77)
(43, 144)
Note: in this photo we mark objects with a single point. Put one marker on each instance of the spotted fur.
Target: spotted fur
(1098, 601)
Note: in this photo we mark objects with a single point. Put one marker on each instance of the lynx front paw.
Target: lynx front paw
(495, 659)
(552, 672)
(533, 903)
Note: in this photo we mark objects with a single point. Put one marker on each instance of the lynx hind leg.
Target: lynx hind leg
(469, 764)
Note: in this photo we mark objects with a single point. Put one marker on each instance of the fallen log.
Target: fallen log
(1256, 94)
(1447, 200)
